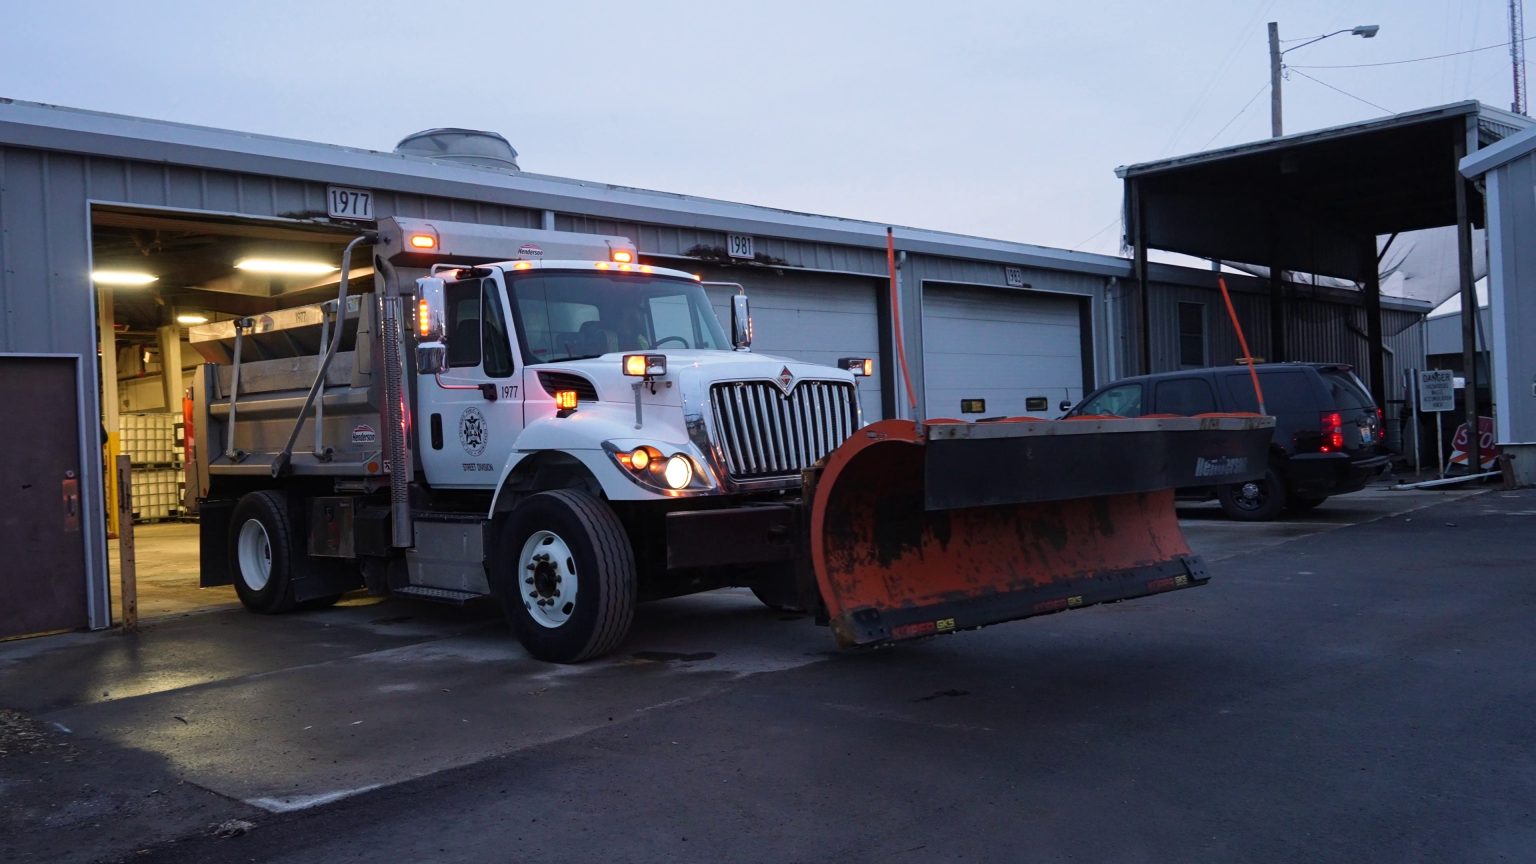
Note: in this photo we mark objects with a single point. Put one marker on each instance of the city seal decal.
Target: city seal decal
(473, 433)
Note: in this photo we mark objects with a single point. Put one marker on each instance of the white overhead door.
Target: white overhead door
(1011, 348)
(809, 317)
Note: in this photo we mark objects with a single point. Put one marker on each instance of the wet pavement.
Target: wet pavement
(1353, 685)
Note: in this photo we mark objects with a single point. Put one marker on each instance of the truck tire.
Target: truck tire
(1255, 501)
(260, 552)
(567, 576)
(778, 592)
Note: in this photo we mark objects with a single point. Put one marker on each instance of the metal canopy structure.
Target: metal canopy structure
(1317, 202)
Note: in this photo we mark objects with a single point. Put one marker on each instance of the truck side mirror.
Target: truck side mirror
(741, 322)
(431, 327)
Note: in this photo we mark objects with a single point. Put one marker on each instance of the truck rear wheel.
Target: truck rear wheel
(567, 580)
(260, 547)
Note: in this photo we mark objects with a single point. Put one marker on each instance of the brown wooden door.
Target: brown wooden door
(42, 553)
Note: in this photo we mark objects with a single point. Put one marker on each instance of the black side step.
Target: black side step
(439, 595)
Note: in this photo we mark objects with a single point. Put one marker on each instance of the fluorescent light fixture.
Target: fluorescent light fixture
(121, 277)
(190, 318)
(281, 267)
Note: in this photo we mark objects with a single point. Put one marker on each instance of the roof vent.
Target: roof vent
(470, 146)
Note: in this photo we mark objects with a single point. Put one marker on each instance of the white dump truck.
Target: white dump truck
(540, 417)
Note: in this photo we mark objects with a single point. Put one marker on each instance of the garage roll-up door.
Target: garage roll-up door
(1004, 346)
(809, 317)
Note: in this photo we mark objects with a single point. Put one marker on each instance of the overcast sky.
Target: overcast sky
(1002, 119)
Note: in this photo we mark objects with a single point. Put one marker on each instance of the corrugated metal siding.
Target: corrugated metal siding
(155, 185)
(1222, 345)
(1318, 330)
(679, 240)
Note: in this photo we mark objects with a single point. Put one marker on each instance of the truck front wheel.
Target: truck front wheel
(259, 552)
(567, 580)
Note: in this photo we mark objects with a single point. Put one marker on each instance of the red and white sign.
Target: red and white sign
(1487, 452)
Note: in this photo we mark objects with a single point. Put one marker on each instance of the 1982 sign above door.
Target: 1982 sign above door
(342, 202)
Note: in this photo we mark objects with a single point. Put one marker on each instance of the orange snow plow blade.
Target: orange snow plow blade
(958, 525)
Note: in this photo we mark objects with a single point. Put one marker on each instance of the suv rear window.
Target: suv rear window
(1285, 390)
(1346, 390)
(1185, 396)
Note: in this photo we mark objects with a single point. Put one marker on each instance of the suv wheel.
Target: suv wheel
(1256, 500)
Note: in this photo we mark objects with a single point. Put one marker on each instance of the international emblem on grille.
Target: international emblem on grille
(786, 380)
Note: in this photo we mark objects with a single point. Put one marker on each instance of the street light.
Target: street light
(1364, 31)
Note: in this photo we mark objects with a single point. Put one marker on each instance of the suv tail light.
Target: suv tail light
(1333, 432)
(1381, 420)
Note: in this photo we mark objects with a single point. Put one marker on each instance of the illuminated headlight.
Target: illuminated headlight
(679, 471)
(649, 466)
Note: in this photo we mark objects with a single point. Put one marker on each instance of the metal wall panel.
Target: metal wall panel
(47, 307)
(1318, 329)
(680, 241)
(1513, 302)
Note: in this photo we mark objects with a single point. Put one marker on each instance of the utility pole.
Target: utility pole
(1276, 128)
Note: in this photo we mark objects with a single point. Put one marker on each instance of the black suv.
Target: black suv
(1328, 431)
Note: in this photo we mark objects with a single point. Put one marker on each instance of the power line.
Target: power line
(1240, 112)
(1095, 235)
(1344, 92)
(1237, 46)
(1414, 59)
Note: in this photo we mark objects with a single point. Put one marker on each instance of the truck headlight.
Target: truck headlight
(649, 466)
(679, 471)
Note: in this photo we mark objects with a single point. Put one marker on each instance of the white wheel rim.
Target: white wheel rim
(546, 577)
(254, 552)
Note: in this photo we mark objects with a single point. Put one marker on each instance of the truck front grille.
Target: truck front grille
(764, 433)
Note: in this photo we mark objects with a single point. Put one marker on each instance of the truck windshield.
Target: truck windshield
(574, 315)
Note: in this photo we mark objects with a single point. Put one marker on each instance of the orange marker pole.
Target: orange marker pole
(1242, 341)
(901, 340)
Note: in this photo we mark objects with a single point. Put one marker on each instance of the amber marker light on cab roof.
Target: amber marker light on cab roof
(423, 241)
(624, 256)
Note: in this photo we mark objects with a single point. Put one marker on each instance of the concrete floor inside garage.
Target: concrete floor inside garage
(166, 572)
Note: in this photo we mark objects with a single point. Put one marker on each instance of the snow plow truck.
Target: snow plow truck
(541, 418)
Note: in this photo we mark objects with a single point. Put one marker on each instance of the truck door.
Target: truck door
(470, 416)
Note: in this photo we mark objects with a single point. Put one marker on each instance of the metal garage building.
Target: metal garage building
(1023, 328)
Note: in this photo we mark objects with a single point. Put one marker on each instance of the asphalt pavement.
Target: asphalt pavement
(1354, 685)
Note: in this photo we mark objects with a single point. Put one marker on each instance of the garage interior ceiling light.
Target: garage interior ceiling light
(280, 267)
(121, 277)
(190, 318)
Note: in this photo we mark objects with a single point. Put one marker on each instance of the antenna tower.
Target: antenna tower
(1517, 52)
